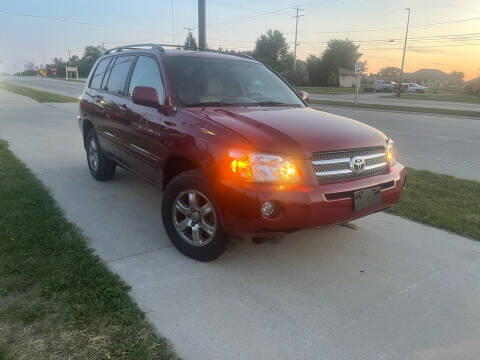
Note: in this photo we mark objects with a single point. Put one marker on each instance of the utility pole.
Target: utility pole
(295, 45)
(189, 30)
(68, 51)
(399, 87)
(202, 19)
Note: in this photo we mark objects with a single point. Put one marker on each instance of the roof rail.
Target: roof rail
(161, 47)
(134, 46)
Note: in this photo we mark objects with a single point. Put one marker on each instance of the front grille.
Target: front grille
(334, 166)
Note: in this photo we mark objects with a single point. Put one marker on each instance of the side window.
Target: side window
(118, 75)
(97, 77)
(147, 73)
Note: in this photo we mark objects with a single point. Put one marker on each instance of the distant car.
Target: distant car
(413, 87)
(383, 86)
(235, 148)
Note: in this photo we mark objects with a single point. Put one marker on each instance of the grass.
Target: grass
(37, 95)
(415, 109)
(442, 201)
(58, 300)
(328, 90)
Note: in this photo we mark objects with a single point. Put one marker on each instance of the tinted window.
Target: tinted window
(146, 73)
(118, 75)
(98, 75)
(221, 82)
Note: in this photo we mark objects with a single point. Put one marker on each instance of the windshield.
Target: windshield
(219, 82)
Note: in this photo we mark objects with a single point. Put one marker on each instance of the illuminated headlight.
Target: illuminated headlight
(390, 152)
(260, 167)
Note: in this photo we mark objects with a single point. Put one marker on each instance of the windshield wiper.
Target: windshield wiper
(271, 103)
(212, 103)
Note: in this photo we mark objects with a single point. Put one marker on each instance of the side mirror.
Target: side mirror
(146, 96)
(305, 96)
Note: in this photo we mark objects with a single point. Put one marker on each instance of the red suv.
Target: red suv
(236, 150)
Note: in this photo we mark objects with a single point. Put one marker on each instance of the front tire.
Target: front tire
(191, 219)
(101, 167)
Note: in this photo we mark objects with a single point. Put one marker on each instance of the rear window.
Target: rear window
(97, 77)
(119, 74)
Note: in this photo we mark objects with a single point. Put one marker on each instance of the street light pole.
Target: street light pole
(399, 87)
(202, 19)
(295, 46)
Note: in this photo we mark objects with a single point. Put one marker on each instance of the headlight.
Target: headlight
(390, 153)
(260, 167)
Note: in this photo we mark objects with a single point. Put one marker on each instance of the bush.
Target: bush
(473, 87)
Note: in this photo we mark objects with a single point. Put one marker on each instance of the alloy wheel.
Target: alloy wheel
(93, 156)
(194, 217)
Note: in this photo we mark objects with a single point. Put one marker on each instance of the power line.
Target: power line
(391, 28)
(80, 22)
(282, 11)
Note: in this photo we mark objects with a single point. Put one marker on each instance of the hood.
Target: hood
(294, 131)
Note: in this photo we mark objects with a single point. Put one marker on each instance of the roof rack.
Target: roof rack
(161, 47)
(134, 46)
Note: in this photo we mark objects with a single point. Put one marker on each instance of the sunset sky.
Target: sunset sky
(444, 34)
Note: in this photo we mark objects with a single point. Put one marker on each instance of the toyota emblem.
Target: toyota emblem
(357, 164)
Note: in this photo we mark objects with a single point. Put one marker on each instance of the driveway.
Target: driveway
(381, 288)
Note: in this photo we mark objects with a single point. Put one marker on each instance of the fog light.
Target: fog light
(268, 208)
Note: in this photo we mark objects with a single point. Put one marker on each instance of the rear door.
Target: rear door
(114, 101)
(94, 96)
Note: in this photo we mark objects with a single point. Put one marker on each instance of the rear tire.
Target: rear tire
(101, 167)
(191, 219)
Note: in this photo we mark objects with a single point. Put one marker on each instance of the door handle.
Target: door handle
(122, 109)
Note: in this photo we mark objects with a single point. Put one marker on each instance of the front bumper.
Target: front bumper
(301, 207)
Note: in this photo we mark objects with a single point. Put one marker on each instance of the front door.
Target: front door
(146, 124)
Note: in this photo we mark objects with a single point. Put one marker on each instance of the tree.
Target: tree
(314, 70)
(338, 54)
(271, 48)
(300, 77)
(457, 77)
(74, 60)
(389, 72)
(90, 56)
(190, 42)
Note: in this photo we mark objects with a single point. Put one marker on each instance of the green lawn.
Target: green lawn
(328, 90)
(442, 201)
(58, 300)
(37, 95)
(414, 109)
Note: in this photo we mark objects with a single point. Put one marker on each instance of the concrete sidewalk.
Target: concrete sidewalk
(385, 288)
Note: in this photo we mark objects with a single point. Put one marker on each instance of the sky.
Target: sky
(444, 34)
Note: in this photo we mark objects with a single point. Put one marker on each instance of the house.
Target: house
(429, 78)
(346, 78)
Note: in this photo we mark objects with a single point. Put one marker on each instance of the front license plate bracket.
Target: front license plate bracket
(363, 199)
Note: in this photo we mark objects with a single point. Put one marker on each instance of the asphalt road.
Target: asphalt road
(381, 288)
(382, 99)
(439, 143)
(62, 87)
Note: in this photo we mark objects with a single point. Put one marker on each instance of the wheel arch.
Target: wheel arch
(176, 164)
